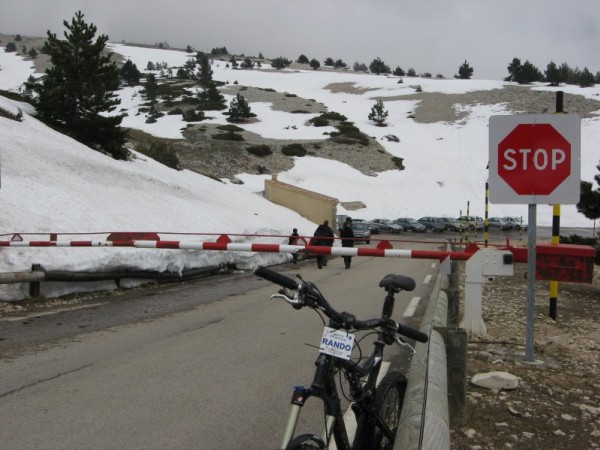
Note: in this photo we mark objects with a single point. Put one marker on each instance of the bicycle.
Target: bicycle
(376, 406)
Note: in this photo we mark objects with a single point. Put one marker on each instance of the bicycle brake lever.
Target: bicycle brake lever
(295, 302)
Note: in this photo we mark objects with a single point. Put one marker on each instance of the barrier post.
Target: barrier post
(35, 286)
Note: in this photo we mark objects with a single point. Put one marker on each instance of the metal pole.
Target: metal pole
(486, 223)
(530, 340)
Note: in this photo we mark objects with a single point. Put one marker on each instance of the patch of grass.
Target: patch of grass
(287, 94)
(267, 89)
(398, 162)
(319, 121)
(260, 150)
(16, 117)
(299, 111)
(159, 151)
(332, 115)
(230, 128)
(228, 137)
(293, 150)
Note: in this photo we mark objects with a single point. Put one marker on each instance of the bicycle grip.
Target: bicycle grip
(275, 277)
(412, 333)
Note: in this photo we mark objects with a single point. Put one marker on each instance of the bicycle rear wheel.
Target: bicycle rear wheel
(388, 405)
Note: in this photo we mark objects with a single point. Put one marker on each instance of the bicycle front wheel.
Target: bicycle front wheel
(388, 405)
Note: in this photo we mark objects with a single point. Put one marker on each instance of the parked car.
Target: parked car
(499, 223)
(362, 232)
(387, 226)
(518, 223)
(433, 223)
(453, 224)
(471, 222)
(410, 224)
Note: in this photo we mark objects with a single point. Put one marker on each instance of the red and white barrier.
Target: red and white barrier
(384, 248)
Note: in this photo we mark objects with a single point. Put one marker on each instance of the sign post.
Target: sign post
(534, 158)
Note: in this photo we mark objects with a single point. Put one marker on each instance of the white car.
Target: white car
(517, 222)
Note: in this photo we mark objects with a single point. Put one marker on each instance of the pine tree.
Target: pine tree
(586, 78)
(77, 90)
(465, 71)
(314, 64)
(239, 109)
(377, 66)
(552, 74)
(329, 62)
(205, 74)
(130, 73)
(280, 63)
(302, 59)
(399, 72)
(378, 114)
(211, 99)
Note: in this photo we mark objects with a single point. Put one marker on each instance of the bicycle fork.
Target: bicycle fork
(299, 397)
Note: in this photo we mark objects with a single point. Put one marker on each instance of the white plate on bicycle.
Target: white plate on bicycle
(338, 343)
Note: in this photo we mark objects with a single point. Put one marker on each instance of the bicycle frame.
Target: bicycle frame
(324, 387)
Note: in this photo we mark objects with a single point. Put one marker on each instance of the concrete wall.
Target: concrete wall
(312, 205)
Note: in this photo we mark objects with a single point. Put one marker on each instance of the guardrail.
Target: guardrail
(436, 387)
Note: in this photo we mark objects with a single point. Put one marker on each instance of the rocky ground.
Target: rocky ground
(556, 404)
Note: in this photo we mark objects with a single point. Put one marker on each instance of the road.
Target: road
(206, 365)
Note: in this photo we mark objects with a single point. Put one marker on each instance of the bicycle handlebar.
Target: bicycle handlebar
(310, 296)
(277, 278)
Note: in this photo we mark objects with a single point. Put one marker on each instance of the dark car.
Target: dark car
(433, 223)
(410, 224)
(362, 232)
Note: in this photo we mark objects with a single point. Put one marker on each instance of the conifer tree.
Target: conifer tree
(314, 64)
(378, 114)
(465, 71)
(552, 74)
(130, 73)
(211, 98)
(77, 90)
(377, 66)
(239, 109)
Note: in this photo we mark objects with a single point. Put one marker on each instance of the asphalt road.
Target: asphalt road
(205, 365)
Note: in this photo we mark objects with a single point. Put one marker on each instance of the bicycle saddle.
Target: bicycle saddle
(397, 282)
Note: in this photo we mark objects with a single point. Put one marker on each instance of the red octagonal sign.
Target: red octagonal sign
(534, 159)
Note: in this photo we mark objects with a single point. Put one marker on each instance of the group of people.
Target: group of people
(324, 237)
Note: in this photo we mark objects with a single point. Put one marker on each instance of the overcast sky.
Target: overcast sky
(434, 36)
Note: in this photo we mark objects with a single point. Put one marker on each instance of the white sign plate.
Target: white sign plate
(337, 343)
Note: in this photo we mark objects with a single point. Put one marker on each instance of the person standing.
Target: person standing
(323, 237)
(347, 236)
(294, 237)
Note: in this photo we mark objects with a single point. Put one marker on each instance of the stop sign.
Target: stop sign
(534, 159)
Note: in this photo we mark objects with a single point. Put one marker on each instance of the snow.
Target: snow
(51, 183)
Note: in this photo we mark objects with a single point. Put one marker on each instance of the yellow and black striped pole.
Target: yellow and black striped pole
(555, 227)
(555, 240)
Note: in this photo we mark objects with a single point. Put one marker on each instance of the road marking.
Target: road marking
(412, 307)
(47, 313)
(350, 417)
(427, 279)
(433, 265)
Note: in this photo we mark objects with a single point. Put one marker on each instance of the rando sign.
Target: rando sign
(535, 159)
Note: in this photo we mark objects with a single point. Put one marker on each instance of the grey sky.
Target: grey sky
(434, 36)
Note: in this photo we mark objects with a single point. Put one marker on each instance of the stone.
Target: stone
(496, 381)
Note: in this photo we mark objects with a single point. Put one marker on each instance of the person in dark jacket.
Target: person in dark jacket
(347, 236)
(294, 237)
(323, 237)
